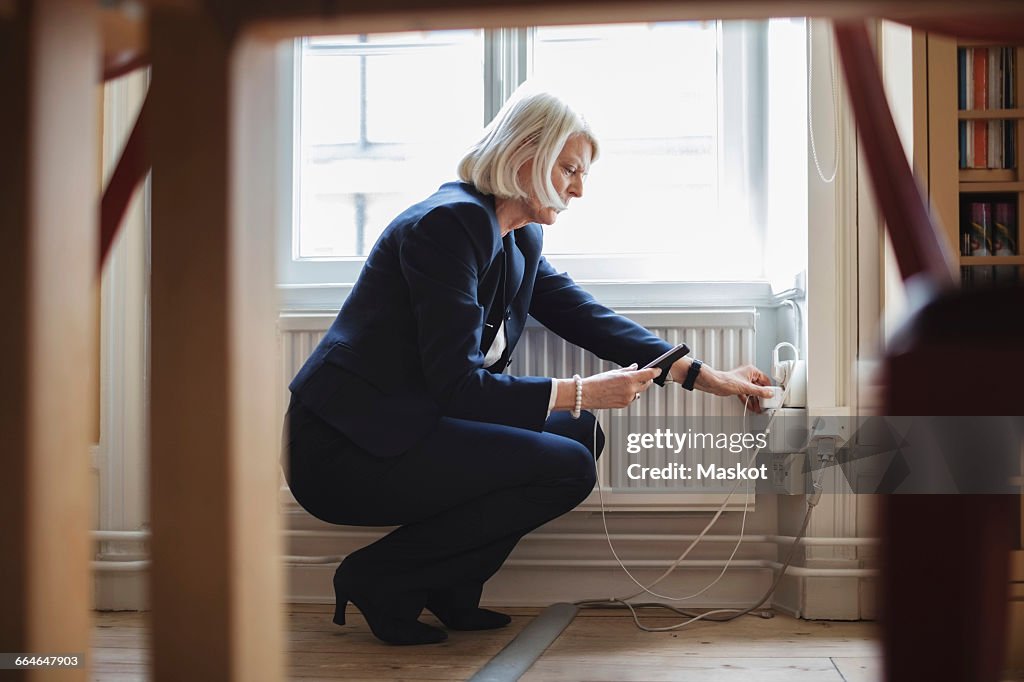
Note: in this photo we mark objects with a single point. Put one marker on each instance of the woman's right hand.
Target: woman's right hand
(617, 387)
(612, 389)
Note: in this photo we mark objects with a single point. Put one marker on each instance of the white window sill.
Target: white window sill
(619, 295)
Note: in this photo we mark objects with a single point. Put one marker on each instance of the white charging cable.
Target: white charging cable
(623, 602)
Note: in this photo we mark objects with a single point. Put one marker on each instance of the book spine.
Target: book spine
(961, 78)
(994, 80)
(1006, 55)
(1011, 77)
(969, 78)
(966, 228)
(1004, 242)
(1011, 144)
(990, 152)
(980, 159)
(1010, 97)
(962, 140)
(995, 143)
(981, 240)
(1004, 231)
(981, 228)
(968, 157)
(1004, 65)
(1005, 132)
(969, 144)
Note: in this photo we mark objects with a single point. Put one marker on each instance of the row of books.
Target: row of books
(988, 276)
(990, 231)
(985, 80)
(988, 144)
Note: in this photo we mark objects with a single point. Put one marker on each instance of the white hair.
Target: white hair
(529, 126)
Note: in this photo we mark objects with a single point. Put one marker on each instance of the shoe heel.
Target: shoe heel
(340, 602)
(339, 612)
(388, 621)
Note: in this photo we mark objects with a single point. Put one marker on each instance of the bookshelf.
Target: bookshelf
(975, 123)
(939, 113)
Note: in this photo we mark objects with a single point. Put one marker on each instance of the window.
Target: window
(382, 118)
(659, 134)
(377, 122)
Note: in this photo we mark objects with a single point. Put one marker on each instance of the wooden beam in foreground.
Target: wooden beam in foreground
(217, 579)
(48, 131)
(286, 18)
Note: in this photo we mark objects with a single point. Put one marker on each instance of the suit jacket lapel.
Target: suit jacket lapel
(516, 265)
(490, 297)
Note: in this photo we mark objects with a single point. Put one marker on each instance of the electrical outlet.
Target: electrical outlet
(834, 426)
(787, 473)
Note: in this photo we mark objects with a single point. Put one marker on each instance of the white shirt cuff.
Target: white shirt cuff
(554, 396)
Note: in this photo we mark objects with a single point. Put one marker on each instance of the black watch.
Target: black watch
(691, 375)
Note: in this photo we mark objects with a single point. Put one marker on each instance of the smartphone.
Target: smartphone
(665, 361)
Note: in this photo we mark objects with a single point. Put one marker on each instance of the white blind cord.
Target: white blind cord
(810, 99)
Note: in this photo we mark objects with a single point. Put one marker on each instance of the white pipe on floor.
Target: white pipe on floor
(293, 559)
(105, 535)
(106, 566)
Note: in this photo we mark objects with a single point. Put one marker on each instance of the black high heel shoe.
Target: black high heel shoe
(462, 612)
(389, 621)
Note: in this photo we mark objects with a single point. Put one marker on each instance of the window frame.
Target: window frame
(315, 283)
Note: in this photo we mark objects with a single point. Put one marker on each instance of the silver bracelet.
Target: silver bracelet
(579, 396)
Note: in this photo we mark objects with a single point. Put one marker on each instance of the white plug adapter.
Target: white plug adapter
(775, 402)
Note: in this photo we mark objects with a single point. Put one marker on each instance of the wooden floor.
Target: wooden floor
(599, 645)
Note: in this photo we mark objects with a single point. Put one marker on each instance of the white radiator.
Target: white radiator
(723, 338)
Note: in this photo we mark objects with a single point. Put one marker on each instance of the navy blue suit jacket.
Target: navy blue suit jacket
(408, 345)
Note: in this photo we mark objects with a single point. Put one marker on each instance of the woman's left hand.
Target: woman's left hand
(744, 382)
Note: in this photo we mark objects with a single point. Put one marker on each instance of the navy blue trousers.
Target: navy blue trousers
(463, 497)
